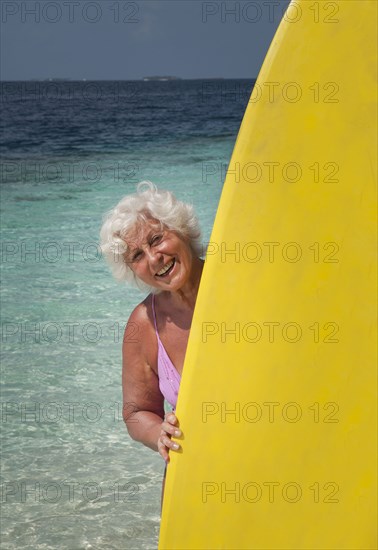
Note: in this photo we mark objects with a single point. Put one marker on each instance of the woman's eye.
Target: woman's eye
(135, 257)
(156, 239)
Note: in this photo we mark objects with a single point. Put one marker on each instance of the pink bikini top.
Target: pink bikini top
(169, 378)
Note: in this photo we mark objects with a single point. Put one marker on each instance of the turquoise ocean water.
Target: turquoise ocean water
(71, 477)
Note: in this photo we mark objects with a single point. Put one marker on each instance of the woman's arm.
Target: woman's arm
(143, 403)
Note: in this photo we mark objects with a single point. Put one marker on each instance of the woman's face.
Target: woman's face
(159, 257)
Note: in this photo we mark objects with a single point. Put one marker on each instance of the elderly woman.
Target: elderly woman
(152, 239)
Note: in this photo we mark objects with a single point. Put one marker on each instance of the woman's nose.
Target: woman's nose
(152, 254)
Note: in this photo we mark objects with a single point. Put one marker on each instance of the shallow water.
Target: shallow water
(71, 476)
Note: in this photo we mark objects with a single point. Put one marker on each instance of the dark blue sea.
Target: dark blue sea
(71, 477)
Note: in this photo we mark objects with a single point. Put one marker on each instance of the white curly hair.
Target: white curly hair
(148, 204)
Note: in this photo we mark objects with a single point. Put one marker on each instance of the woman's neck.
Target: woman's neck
(186, 296)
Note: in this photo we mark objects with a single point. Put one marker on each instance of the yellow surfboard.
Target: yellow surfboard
(278, 396)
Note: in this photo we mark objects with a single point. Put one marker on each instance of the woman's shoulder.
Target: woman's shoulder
(141, 322)
(139, 340)
(142, 312)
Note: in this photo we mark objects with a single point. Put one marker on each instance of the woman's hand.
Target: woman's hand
(169, 427)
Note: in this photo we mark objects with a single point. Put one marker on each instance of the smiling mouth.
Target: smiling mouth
(166, 269)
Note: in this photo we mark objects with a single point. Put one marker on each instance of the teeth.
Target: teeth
(165, 268)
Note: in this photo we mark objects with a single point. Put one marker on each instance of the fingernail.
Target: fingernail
(177, 433)
(175, 446)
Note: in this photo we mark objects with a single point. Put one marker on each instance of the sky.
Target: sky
(110, 39)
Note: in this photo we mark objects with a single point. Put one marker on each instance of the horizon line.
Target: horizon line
(150, 79)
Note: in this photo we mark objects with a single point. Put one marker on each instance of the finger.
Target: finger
(169, 443)
(163, 453)
(171, 418)
(172, 430)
